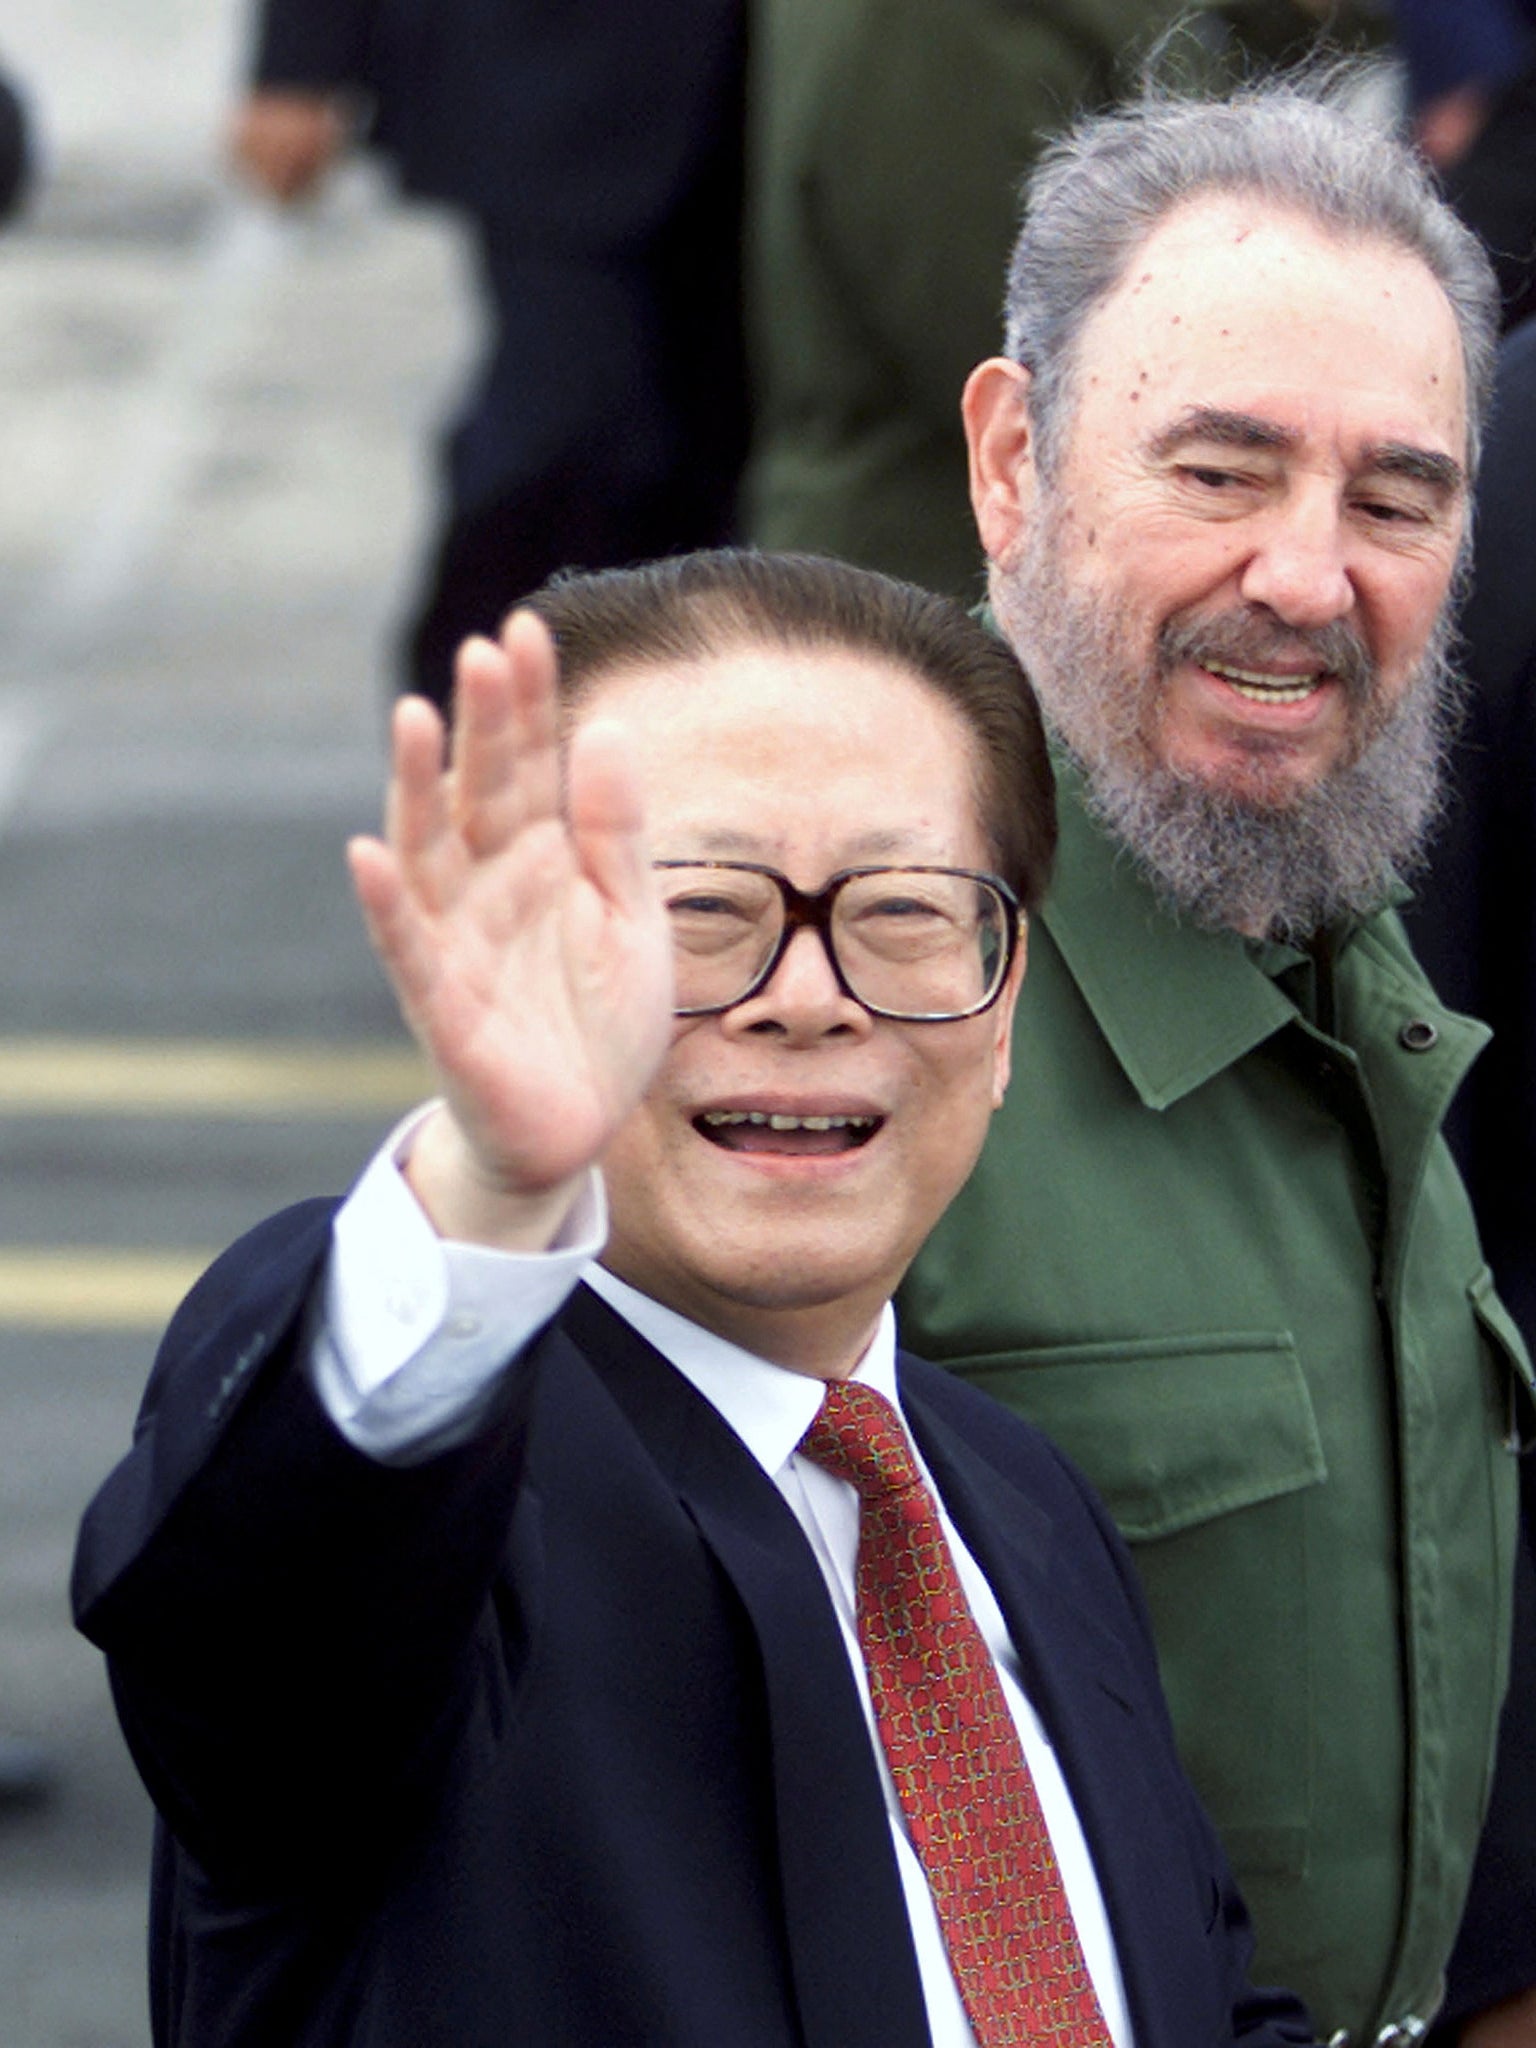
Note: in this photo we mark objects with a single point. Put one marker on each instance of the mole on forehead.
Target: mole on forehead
(1237, 242)
(1238, 217)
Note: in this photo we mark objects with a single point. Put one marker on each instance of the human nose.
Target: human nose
(1299, 567)
(802, 998)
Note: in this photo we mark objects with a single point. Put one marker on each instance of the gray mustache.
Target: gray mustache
(1253, 639)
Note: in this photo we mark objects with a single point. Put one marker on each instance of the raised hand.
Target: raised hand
(524, 938)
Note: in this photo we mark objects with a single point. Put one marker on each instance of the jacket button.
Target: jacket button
(1418, 1035)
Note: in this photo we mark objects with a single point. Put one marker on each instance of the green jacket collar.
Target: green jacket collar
(1176, 1004)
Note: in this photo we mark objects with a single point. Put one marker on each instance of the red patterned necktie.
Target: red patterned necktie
(970, 1803)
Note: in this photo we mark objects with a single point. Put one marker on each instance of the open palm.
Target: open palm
(519, 924)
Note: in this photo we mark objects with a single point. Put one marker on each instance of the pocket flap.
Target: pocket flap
(1171, 1430)
(1503, 1333)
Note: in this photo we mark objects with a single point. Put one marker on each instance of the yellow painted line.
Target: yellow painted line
(49, 1289)
(205, 1077)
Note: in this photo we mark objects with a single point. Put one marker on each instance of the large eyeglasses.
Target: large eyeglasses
(920, 945)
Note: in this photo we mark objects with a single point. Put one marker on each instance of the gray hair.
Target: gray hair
(1098, 192)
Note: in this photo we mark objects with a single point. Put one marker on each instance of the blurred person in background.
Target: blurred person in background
(15, 156)
(890, 138)
(1472, 90)
(594, 150)
(25, 1775)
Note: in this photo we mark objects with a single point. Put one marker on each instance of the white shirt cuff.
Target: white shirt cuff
(413, 1333)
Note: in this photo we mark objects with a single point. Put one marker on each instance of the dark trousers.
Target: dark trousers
(15, 162)
(607, 424)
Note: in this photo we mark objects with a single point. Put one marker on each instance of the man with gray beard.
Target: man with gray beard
(1215, 1244)
(1225, 858)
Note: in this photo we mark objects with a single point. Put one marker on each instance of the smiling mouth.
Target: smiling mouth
(756, 1130)
(1262, 689)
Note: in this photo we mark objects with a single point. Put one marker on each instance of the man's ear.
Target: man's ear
(1002, 456)
(1007, 1002)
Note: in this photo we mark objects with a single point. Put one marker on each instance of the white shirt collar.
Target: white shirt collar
(769, 1407)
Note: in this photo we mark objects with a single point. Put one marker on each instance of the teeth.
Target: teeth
(720, 1117)
(1262, 689)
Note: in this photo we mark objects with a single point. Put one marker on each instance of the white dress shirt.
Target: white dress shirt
(408, 1369)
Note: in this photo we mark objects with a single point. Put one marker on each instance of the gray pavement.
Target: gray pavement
(213, 478)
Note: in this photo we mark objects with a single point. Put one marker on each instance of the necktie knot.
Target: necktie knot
(858, 1435)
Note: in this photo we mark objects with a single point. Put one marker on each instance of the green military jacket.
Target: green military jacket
(1216, 1248)
(889, 139)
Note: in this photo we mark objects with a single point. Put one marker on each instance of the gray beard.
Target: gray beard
(1220, 859)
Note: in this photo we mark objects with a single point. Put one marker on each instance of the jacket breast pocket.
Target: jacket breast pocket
(1514, 1396)
(1205, 1450)
(1513, 1372)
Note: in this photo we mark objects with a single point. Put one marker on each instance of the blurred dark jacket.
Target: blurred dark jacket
(1474, 923)
(594, 149)
(576, 119)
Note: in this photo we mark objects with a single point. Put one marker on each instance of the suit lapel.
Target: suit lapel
(1094, 1689)
(855, 1973)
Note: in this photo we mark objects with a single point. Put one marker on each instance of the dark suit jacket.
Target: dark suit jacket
(553, 1739)
(582, 120)
(1474, 924)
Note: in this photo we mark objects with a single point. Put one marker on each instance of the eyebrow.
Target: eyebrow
(1226, 429)
(1421, 465)
(1216, 425)
(727, 843)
